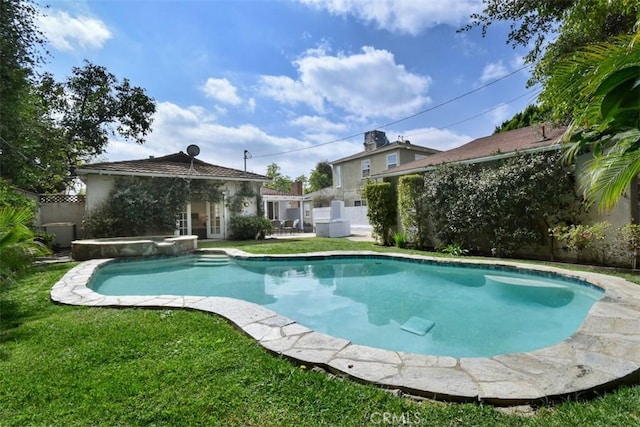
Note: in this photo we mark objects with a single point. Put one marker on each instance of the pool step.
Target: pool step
(212, 260)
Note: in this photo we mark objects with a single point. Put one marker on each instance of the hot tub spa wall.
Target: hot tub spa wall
(82, 250)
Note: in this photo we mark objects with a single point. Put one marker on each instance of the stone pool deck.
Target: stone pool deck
(602, 354)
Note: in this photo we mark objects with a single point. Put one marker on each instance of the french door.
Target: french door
(215, 220)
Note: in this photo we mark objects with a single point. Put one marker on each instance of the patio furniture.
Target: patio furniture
(291, 226)
(287, 226)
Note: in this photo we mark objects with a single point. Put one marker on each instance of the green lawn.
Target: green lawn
(63, 365)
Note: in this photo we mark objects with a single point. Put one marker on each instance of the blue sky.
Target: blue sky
(283, 79)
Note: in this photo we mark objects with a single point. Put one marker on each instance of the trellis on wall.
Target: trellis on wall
(62, 198)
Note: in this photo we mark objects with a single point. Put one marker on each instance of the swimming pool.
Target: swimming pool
(603, 353)
(393, 304)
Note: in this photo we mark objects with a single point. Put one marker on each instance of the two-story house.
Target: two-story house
(379, 155)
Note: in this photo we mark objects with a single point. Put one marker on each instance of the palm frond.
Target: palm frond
(609, 176)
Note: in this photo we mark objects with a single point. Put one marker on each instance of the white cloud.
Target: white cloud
(440, 139)
(221, 90)
(403, 16)
(317, 123)
(175, 127)
(67, 33)
(251, 104)
(517, 62)
(500, 114)
(318, 130)
(365, 84)
(286, 90)
(493, 71)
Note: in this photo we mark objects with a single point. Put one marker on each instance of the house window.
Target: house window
(338, 176)
(359, 203)
(365, 167)
(420, 157)
(392, 160)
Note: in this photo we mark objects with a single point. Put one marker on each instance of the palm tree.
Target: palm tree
(17, 247)
(600, 86)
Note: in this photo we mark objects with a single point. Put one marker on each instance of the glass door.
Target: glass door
(184, 221)
(215, 223)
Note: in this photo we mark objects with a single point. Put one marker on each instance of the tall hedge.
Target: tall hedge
(501, 207)
(381, 210)
(413, 209)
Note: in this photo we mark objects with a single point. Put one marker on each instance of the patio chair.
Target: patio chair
(287, 226)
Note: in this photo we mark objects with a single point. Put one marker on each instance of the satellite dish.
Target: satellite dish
(193, 150)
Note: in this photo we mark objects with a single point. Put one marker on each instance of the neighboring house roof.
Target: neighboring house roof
(277, 195)
(174, 165)
(501, 145)
(402, 145)
(323, 192)
(266, 191)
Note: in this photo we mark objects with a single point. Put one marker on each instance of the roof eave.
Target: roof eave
(492, 158)
(161, 175)
(409, 147)
(280, 198)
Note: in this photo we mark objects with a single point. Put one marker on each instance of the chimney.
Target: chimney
(296, 188)
(374, 139)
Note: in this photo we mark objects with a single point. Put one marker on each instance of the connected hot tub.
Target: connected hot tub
(120, 247)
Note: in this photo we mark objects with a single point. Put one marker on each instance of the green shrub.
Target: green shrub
(413, 209)
(249, 227)
(17, 247)
(628, 243)
(9, 198)
(453, 249)
(501, 207)
(102, 222)
(400, 239)
(381, 210)
(589, 242)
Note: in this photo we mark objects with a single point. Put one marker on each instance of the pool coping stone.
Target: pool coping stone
(603, 353)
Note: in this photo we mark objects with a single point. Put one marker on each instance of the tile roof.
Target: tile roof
(531, 138)
(178, 164)
(396, 145)
(266, 191)
(272, 194)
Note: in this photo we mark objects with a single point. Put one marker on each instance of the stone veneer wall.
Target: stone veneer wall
(82, 250)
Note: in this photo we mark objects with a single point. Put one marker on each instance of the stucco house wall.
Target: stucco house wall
(348, 179)
(207, 220)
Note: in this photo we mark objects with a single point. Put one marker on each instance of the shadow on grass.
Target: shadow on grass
(26, 299)
(238, 243)
(11, 317)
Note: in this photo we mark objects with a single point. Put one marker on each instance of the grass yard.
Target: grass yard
(62, 365)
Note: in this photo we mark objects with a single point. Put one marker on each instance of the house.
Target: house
(206, 219)
(379, 156)
(491, 148)
(531, 139)
(283, 206)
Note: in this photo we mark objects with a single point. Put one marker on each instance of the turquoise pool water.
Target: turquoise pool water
(394, 304)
